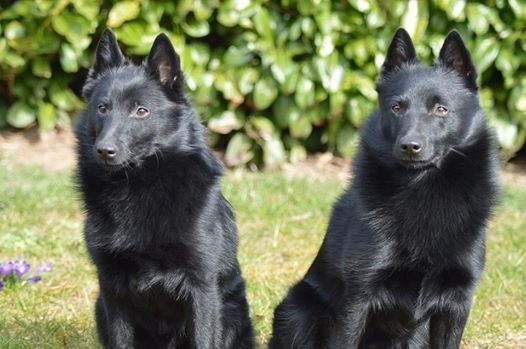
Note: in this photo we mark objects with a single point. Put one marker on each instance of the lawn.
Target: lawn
(281, 222)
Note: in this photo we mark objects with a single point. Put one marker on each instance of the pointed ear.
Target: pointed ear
(400, 51)
(165, 63)
(454, 55)
(107, 56)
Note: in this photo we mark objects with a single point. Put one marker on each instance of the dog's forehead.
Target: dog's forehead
(128, 83)
(422, 82)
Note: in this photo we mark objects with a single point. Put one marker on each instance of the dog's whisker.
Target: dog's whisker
(459, 153)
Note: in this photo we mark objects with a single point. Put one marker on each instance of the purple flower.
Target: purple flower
(21, 268)
(1, 285)
(45, 268)
(34, 278)
(6, 268)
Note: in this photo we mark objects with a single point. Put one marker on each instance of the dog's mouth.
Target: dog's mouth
(414, 164)
(114, 166)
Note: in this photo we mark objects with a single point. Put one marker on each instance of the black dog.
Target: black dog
(161, 234)
(405, 244)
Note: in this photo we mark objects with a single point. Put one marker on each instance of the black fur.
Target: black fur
(405, 244)
(161, 234)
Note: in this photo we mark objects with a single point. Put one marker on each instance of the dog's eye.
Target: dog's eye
(440, 110)
(395, 108)
(103, 109)
(141, 112)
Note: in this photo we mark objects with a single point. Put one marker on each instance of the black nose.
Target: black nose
(410, 148)
(107, 151)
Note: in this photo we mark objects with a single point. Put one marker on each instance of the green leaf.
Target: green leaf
(517, 101)
(361, 5)
(260, 127)
(295, 30)
(195, 28)
(453, 8)
(41, 67)
(63, 98)
(485, 54)
(283, 111)
(300, 126)
(74, 28)
(87, 8)
(346, 141)
(511, 137)
(47, 117)
(202, 10)
(325, 45)
(508, 63)
(297, 153)
(291, 81)
(226, 122)
(14, 61)
(239, 150)
(416, 18)
(263, 23)
(228, 17)
(69, 59)
(357, 110)
(308, 27)
(14, 30)
(331, 73)
(228, 86)
(121, 12)
(19, 9)
(283, 67)
(20, 115)
(478, 18)
(247, 80)
(518, 7)
(237, 56)
(376, 18)
(337, 100)
(44, 43)
(273, 152)
(362, 83)
(138, 35)
(304, 95)
(265, 92)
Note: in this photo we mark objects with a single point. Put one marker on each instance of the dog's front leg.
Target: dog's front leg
(349, 328)
(446, 328)
(120, 328)
(205, 325)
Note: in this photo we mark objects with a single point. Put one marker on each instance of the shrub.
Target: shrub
(273, 80)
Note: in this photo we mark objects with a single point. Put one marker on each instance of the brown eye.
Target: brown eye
(103, 109)
(439, 110)
(395, 108)
(141, 112)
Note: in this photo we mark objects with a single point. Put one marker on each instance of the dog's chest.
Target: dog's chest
(406, 295)
(159, 292)
(155, 296)
(160, 283)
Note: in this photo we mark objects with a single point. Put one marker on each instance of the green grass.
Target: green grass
(281, 224)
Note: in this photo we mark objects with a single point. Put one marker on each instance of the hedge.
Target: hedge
(273, 80)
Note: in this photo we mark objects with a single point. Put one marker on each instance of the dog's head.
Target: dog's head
(133, 111)
(426, 111)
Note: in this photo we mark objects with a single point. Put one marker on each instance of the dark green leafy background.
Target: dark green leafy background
(273, 80)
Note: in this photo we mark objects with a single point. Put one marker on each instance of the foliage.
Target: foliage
(272, 79)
